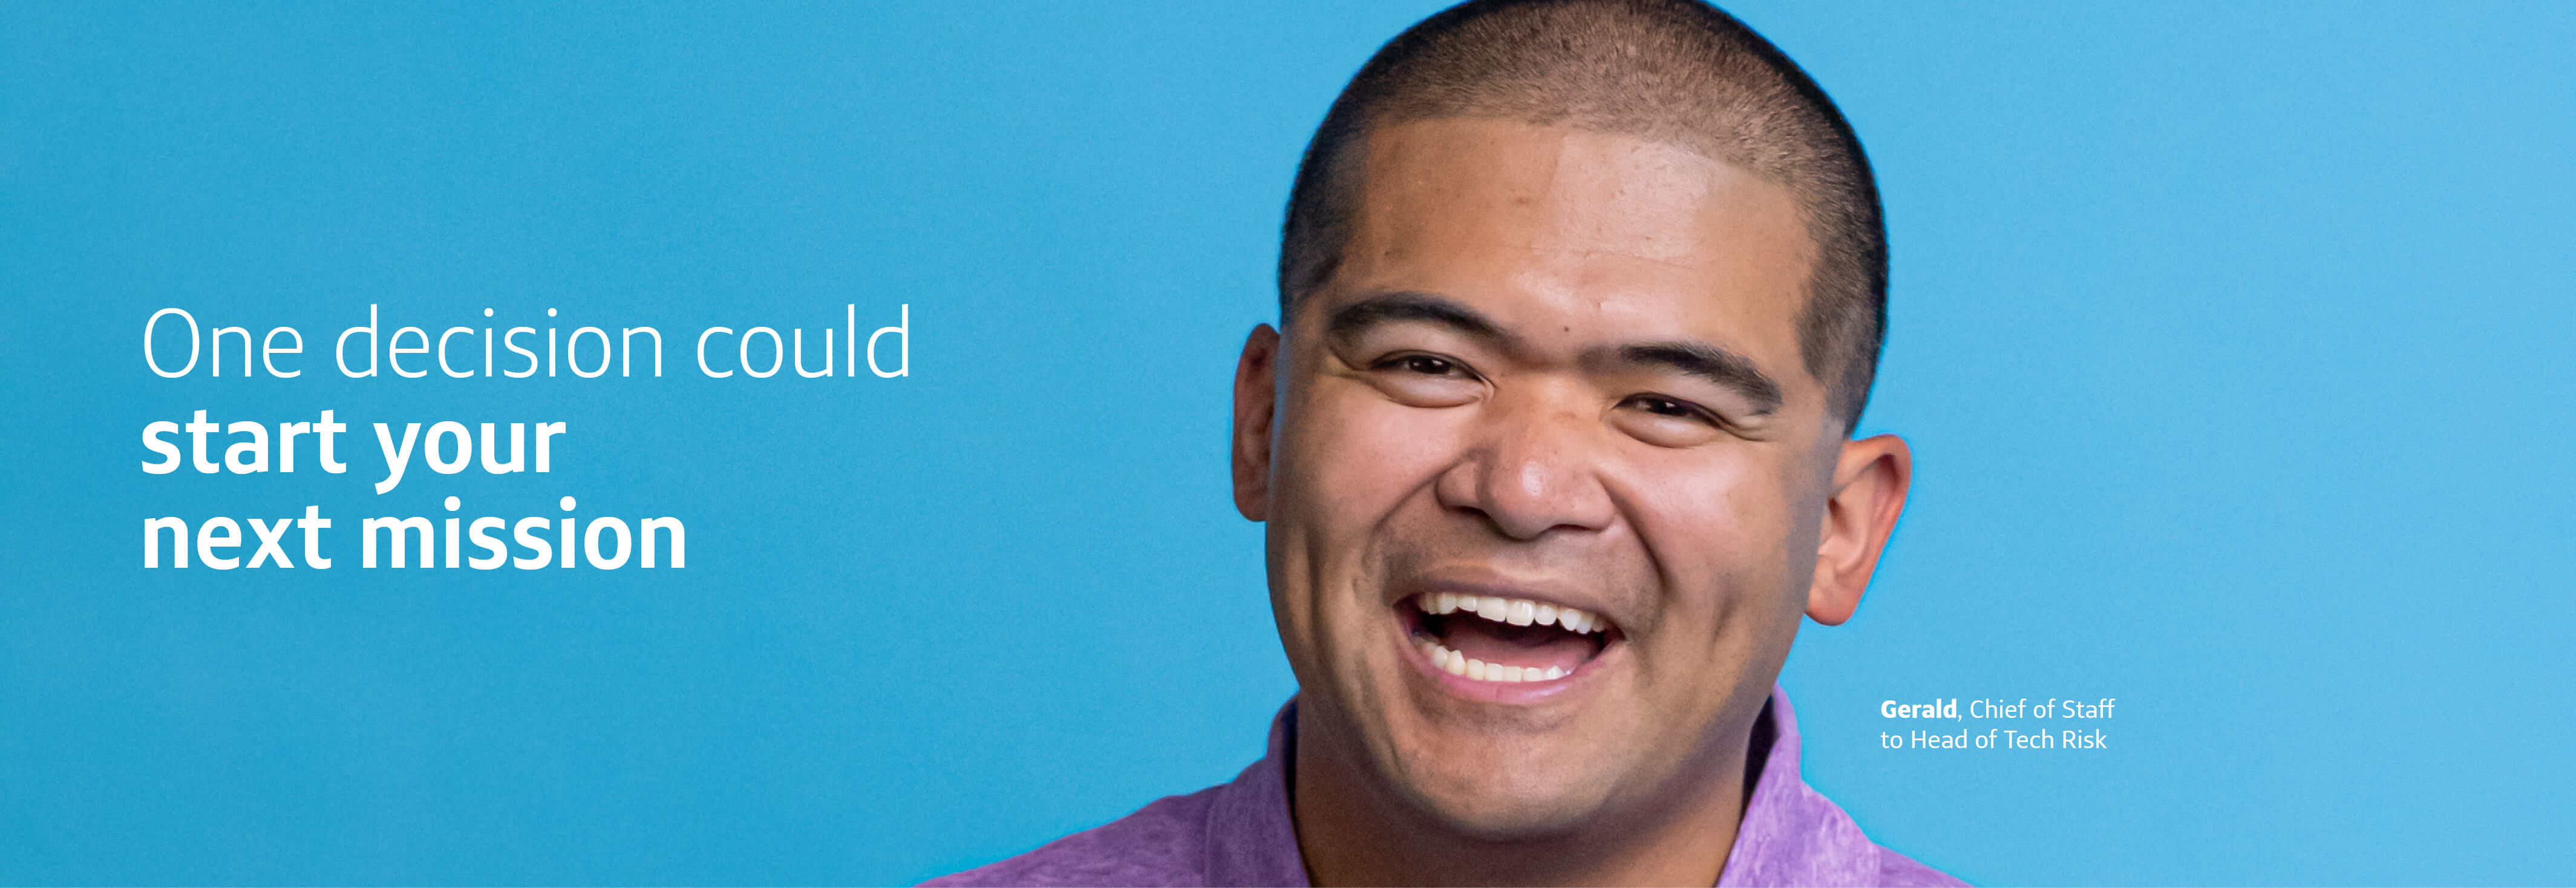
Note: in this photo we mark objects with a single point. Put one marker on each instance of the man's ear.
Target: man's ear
(1870, 480)
(1256, 405)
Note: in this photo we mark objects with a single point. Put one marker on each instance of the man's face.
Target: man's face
(1555, 380)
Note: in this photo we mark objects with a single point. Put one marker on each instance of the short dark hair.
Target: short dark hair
(1677, 71)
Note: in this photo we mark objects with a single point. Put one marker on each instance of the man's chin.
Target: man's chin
(1480, 804)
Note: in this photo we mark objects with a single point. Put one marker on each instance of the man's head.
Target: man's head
(1673, 71)
(1580, 301)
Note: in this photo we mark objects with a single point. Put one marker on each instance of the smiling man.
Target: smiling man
(1579, 304)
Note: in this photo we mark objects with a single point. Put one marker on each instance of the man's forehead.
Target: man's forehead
(1563, 222)
(1564, 185)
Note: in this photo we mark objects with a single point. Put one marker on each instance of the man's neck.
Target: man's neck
(1352, 830)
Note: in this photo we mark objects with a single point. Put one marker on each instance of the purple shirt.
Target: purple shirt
(1240, 834)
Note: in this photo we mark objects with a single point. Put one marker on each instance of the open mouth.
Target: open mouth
(1490, 638)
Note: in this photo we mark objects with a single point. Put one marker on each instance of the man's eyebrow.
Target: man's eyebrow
(1405, 305)
(1709, 362)
(1691, 357)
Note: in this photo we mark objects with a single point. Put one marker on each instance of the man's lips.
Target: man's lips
(1501, 640)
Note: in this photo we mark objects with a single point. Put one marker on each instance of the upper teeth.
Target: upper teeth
(1516, 611)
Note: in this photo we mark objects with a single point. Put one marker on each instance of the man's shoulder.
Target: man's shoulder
(1899, 871)
(1796, 836)
(1233, 833)
(1160, 844)
(1792, 835)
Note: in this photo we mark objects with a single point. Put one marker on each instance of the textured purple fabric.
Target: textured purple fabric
(1240, 833)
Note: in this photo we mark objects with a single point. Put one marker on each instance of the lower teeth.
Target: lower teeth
(1456, 663)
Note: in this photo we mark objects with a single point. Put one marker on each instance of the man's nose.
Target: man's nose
(1534, 467)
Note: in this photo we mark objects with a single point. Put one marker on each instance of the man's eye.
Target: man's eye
(1424, 364)
(1426, 380)
(1661, 406)
(1668, 422)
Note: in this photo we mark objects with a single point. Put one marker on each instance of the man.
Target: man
(1579, 302)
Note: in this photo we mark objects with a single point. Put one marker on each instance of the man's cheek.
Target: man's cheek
(1370, 452)
(1715, 532)
(1701, 512)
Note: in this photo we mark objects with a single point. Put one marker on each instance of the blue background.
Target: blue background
(2233, 344)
